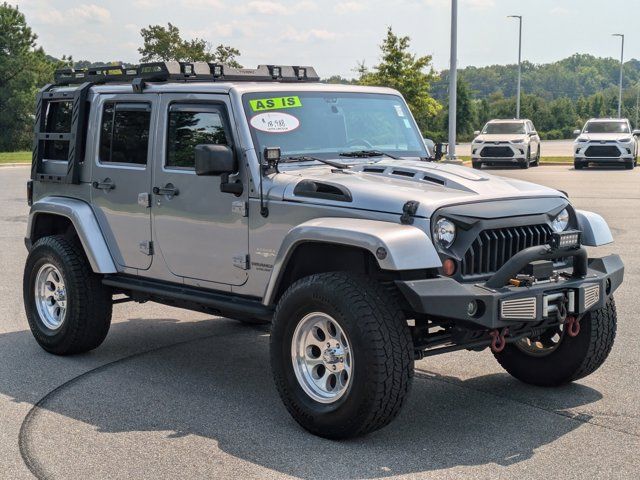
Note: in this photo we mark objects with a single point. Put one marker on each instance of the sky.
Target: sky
(334, 35)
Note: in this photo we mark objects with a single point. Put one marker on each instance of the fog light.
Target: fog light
(449, 267)
(472, 308)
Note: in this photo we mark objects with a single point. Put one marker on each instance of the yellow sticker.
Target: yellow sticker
(274, 103)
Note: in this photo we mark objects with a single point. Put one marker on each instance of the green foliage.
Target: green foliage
(23, 68)
(165, 44)
(410, 75)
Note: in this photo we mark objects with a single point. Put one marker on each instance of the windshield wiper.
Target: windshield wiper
(367, 154)
(307, 158)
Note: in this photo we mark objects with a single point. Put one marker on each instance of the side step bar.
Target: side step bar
(221, 303)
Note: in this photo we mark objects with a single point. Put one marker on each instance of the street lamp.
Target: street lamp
(453, 81)
(519, 17)
(621, 68)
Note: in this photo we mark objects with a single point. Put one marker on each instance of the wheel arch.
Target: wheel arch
(69, 216)
(347, 244)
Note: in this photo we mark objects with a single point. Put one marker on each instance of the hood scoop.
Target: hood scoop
(323, 190)
(420, 175)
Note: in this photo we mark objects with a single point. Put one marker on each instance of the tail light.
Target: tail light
(30, 192)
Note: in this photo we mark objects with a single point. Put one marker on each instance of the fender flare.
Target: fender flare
(407, 247)
(84, 221)
(595, 231)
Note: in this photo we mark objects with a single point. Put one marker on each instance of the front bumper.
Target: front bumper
(518, 153)
(624, 152)
(446, 298)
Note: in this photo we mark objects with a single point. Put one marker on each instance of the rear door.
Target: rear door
(121, 176)
(201, 232)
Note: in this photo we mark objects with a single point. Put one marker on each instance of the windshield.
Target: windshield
(606, 127)
(324, 124)
(504, 127)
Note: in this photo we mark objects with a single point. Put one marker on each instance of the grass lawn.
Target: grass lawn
(569, 160)
(15, 157)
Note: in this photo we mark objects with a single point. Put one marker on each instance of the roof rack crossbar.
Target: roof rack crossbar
(184, 72)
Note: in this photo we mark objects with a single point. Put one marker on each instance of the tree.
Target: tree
(165, 44)
(405, 72)
(23, 68)
(465, 111)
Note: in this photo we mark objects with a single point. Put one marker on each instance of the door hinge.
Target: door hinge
(240, 208)
(146, 247)
(144, 200)
(241, 261)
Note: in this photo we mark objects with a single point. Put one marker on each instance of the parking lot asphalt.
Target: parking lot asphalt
(173, 393)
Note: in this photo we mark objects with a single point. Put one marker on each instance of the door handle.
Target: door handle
(169, 190)
(106, 184)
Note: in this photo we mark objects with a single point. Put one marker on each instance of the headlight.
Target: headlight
(581, 139)
(517, 141)
(445, 232)
(561, 222)
(625, 140)
(476, 141)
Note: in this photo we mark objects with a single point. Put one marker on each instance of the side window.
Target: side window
(124, 133)
(190, 126)
(58, 120)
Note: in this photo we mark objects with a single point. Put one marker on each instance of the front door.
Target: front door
(201, 232)
(121, 176)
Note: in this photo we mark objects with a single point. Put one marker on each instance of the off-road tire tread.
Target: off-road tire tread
(89, 301)
(383, 322)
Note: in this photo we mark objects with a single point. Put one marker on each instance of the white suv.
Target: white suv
(606, 141)
(512, 142)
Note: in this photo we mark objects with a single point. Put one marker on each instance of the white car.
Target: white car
(506, 142)
(606, 141)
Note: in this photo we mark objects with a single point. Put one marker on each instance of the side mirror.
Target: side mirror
(576, 133)
(476, 132)
(218, 160)
(215, 160)
(636, 133)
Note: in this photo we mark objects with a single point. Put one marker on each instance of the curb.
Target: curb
(21, 164)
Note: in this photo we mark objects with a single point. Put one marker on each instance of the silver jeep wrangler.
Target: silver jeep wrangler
(265, 196)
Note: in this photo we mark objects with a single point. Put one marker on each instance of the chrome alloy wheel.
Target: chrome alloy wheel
(321, 357)
(50, 296)
(544, 344)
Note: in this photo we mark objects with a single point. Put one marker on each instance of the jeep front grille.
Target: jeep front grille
(496, 152)
(493, 248)
(602, 151)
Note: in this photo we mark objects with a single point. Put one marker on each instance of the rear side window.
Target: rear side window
(58, 120)
(124, 133)
(190, 126)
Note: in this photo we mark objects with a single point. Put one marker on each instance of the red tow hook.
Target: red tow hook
(572, 324)
(497, 339)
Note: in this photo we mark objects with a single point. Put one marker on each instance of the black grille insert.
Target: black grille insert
(602, 151)
(496, 152)
(493, 248)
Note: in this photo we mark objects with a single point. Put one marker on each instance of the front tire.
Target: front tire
(572, 358)
(341, 354)
(476, 165)
(578, 165)
(67, 306)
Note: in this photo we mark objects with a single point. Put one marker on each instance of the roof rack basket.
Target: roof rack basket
(67, 146)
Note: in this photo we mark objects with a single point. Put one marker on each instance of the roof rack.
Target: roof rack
(184, 72)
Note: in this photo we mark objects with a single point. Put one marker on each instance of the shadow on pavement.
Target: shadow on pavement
(219, 386)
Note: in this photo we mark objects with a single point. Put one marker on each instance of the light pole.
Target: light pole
(519, 17)
(621, 68)
(453, 81)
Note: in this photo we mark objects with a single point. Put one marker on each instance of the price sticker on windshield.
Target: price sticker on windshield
(274, 122)
(275, 103)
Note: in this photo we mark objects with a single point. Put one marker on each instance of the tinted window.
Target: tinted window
(57, 120)
(124, 133)
(189, 128)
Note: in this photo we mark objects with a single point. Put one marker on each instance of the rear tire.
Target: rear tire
(67, 306)
(372, 340)
(572, 359)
